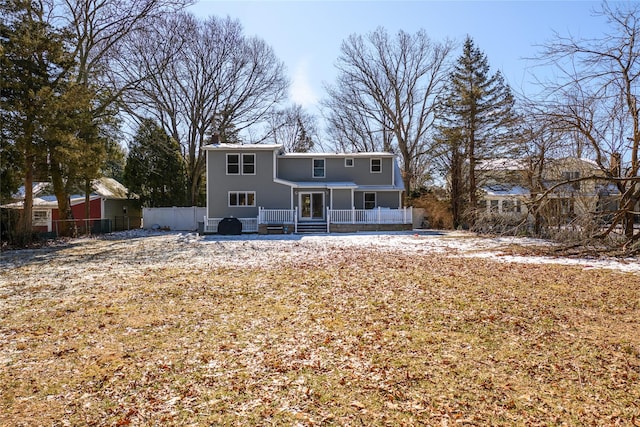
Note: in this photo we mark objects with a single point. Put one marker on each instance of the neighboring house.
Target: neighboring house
(270, 190)
(110, 208)
(506, 188)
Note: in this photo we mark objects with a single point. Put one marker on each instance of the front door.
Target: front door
(311, 206)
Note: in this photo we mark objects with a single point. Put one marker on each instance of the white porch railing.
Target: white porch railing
(249, 225)
(277, 216)
(334, 216)
(370, 216)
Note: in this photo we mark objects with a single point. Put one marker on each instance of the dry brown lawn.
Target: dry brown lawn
(160, 331)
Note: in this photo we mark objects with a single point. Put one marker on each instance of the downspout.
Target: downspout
(393, 171)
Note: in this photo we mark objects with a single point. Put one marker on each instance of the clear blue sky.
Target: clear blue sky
(307, 35)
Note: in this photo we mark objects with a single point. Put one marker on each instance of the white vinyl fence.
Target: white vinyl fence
(182, 219)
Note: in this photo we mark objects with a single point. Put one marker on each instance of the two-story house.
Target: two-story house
(507, 188)
(270, 190)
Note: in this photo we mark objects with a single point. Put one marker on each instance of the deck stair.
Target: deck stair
(312, 227)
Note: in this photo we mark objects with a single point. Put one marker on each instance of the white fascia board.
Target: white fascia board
(242, 147)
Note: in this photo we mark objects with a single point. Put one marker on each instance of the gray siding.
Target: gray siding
(301, 169)
(384, 199)
(268, 194)
(342, 199)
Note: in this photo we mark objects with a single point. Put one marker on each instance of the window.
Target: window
(494, 205)
(242, 198)
(376, 165)
(245, 164)
(248, 164)
(369, 200)
(507, 206)
(318, 168)
(40, 218)
(348, 162)
(233, 164)
(570, 176)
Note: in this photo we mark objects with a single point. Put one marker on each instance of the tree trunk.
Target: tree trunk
(629, 217)
(26, 221)
(456, 189)
(65, 227)
(87, 199)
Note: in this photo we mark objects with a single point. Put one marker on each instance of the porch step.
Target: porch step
(312, 227)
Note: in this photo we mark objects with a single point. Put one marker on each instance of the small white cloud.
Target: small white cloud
(301, 90)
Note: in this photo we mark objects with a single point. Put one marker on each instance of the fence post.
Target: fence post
(353, 214)
(295, 220)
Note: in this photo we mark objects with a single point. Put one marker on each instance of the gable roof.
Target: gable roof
(109, 188)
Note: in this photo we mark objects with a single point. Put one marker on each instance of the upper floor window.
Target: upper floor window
(318, 168)
(568, 176)
(348, 162)
(376, 165)
(233, 164)
(237, 164)
(248, 164)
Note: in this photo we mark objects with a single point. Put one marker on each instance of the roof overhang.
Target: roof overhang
(242, 147)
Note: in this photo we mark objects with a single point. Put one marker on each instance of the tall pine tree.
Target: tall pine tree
(477, 121)
(34, 63)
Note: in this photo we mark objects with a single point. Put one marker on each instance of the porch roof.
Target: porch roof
(319, 184)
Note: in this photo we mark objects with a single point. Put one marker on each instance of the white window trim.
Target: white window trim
(346, 160)
(313, 168)
(226, 166)
(254, 163)
(237, 193)
(43, 220)
(241, 163)
(371, 165)
(364, 199)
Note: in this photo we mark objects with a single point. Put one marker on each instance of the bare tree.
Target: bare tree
(200, 78)
(96, 29)
(100, 26)
(385, 95)
(596, 98)
(293, 128)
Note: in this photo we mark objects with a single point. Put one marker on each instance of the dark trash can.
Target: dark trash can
(230, 226)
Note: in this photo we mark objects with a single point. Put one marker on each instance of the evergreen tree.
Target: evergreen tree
(115, 161)
(34, 63)
(155, 168)
(476, 120)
